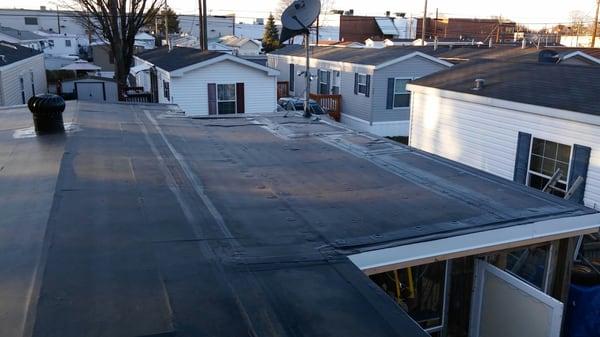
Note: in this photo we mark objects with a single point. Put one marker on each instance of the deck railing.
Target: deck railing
(331, 103)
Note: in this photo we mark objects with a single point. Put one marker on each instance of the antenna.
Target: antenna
(296, 20)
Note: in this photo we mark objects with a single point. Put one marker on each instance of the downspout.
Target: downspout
(371, 98)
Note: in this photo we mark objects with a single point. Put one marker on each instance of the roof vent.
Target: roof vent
(479, 84)
(548, 56)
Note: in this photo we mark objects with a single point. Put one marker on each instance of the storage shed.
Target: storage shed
(207, 83)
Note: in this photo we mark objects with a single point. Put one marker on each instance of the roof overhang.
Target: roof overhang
(225, 57)
(388, 259)
(506, 104)
(140, 67)
(582, 55)
(294, 58)
(411, 55)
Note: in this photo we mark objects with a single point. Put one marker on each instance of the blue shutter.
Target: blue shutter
(390, 93)
(522, 159)
(212, 99)
(356, 83)
(579, 168)
(292, 77)
(368, 86)
(319, 82)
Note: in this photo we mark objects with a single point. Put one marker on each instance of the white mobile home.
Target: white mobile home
(521, 121)
(207, 83)
(22, 74)
(371, 82)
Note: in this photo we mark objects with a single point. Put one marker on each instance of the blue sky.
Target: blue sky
(526, 11)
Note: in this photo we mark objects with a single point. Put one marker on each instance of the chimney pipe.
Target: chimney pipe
(478, 84)
(46, 110)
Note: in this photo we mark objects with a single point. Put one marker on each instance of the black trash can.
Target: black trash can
(47, 112)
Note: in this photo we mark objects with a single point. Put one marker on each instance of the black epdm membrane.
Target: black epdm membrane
(143, 225)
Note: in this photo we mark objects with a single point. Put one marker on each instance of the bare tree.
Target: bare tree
(580, 23)
(117, 22)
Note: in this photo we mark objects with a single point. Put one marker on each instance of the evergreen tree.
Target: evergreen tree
(173, 21)
(270, 41)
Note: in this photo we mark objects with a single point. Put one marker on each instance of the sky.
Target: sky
(523, 11)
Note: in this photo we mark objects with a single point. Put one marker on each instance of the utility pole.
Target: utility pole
(424, 25)
(595, 32)
(204, 25)
(167, 25)
(435, 34)
(58, 19)
(157, 36)
(200, 25)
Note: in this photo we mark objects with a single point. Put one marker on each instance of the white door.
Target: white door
(505, 306)
(91, 91)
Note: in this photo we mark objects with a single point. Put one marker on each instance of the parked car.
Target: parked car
(297, 104)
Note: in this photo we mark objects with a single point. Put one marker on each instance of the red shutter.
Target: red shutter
(212, 99)
(240, 97)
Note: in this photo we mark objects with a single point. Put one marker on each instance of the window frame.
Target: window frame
(359, 84)
(394, 107)
(336, 84)
(31, 19)
(167, 90)
(564, 180)
(226, 101)
(326, 83)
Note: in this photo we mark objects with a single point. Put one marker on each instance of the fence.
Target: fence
(331, 103)
(283, 89)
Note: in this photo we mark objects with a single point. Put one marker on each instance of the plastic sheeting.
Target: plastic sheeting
(584, 312)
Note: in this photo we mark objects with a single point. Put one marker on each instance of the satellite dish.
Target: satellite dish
(298, 17)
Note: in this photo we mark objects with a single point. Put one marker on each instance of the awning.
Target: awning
(138, 68)
(81, 65)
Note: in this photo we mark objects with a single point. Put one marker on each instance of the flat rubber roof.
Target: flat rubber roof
(139, 222)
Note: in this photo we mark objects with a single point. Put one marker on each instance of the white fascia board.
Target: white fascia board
(225, 57)
(505, 104)
(23, 61)
(411, 55)
(415, 254)
(581, 54)
(340, 65)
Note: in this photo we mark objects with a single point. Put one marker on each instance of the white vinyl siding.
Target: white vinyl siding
(10, 89)
(485, 137)
(190, 92)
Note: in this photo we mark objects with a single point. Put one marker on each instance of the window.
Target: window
(529, 264)
(324, 81)
(31, 21)
(545, 159)
(335, 86)
(166, 90)
(401, 96)
(420, 291)
(362, 84)
(67, 43)
(226, 98)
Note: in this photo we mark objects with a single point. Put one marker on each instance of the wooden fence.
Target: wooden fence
(331, 103)
(283, 89)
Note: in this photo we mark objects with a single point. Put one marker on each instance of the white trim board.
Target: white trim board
(506, 104)
(415, 254)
